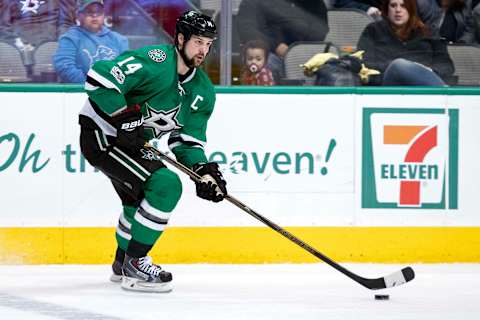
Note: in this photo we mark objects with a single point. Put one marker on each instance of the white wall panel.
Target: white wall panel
(258, 139)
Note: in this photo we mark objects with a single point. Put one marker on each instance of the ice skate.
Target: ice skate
(140, 274)
(116, 271)
(117, 265)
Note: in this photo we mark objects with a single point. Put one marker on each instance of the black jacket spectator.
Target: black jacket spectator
(451, 19)
(357, 4)
(382, 46)
(282, 21)
(476, 19)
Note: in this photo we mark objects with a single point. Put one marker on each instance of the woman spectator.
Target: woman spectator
(400, 47)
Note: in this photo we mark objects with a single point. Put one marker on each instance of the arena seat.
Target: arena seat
(11, 64)
(466, 59)
(43, 57)
(346, 26)
(299, 53)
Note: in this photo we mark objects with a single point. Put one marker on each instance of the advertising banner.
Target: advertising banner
(410, 158)
(292, 158)
(302, 160)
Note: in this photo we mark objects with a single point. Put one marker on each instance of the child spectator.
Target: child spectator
(255, 71)
(83, 45)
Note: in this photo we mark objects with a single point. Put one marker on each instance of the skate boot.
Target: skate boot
(140, 274)
(117, 266)
(116, 271)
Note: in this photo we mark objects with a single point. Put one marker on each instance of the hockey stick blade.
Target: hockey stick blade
(395, 279)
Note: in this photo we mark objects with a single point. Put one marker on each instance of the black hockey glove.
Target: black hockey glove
(212, 185)
(129, 125)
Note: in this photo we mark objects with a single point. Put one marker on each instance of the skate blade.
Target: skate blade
(132, 284)
(116, 278)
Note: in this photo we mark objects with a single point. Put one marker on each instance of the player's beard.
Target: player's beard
(198, 60)
(191, 62)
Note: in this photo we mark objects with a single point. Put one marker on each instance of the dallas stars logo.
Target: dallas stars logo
(157, 55)
(149, 155)
(31, 6)
(161, 122)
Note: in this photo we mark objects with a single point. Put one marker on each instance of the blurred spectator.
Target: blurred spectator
(451, 19)
(371, 7)
(83, 45)
(280, 23)
(255, 71)
(146, 17)
(476, 19)
(401, 48)
(28, 23)
(165, 12)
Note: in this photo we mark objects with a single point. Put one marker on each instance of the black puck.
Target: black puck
(382, 297)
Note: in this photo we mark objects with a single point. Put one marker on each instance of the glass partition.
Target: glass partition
(356, 43)
(58, 40)
(275, 42)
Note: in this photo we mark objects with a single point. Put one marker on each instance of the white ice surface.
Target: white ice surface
(282, 291)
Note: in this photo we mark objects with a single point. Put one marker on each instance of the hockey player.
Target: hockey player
(140, 95)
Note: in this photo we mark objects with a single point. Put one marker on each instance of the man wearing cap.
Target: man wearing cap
(83, 45)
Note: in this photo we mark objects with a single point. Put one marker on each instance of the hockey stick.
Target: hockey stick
(392, 280)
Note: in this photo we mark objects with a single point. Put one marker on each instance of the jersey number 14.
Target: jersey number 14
(119, 75)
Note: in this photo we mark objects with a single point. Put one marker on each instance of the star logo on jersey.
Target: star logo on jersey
(161, 122)
(149, 155)
(31, 6)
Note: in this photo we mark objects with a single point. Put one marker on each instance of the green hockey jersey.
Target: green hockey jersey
(148, 77)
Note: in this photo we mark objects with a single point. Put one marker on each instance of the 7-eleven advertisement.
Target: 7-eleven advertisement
(410, 158)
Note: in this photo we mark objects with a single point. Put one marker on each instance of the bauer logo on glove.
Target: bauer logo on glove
(129, 126)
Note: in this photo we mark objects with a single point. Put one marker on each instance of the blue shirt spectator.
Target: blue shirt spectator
(81, 46)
